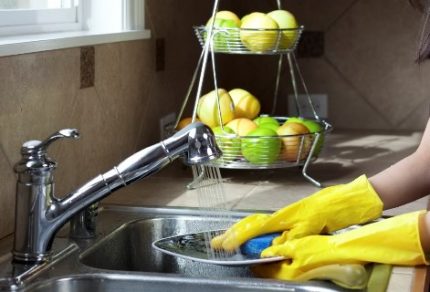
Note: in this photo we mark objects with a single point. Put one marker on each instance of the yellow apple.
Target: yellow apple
(207, 108)
(258, 32)
(246, 105)
(293, 139)
(288, 23)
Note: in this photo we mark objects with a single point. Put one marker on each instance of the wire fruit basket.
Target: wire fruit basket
(250, 41)
(263, 151)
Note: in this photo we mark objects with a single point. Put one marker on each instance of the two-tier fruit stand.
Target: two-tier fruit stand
(297, 150)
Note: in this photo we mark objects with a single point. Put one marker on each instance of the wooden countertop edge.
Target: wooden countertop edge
(421, 279)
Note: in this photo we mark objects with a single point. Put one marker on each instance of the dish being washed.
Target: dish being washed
(195, 247)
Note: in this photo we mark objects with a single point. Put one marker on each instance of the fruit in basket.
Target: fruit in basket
(185, 122)
(226, 15)
(223, 39)
(261, 146)
(246, 105)
(287, 22)
(242, 126)
(258, 32)
(293, 139)
(228, 142)
(207, 108)
(313, 127)
(266, 120)
(270, 126)
(230, 21)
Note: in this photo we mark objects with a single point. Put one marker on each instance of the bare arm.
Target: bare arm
(408, 179)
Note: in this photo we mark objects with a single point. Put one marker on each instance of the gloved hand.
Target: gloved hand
(393, 241)
(327, 210)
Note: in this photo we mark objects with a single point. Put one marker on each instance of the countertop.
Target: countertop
(346, 155)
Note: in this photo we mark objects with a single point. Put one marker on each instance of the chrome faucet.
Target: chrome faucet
(39, 214)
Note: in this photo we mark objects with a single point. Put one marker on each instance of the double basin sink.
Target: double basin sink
(121, 258)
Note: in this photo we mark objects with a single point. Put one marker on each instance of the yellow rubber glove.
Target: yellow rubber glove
(325, 211)
(393, 241)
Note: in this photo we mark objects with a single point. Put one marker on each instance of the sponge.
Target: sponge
(253, 247)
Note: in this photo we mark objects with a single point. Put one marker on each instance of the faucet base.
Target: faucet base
(27, 258)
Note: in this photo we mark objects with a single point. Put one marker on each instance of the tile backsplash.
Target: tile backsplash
(367, 70)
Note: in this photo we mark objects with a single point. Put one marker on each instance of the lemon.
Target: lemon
(258, 32)
(207, 108)
(246, 105)
(288, 23)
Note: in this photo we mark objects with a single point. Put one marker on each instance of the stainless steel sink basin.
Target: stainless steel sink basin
(121, 258)
(129, 249)
(131, 283)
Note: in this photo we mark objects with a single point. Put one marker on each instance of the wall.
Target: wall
(40, 93)
(367, 70)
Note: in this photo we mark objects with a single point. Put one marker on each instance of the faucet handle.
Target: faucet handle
(36, 146)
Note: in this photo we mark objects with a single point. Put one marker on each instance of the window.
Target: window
(36, 16)
(36, 25)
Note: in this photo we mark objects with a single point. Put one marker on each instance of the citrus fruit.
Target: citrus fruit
(207, 108)
(258, 32)
(242, 126)
(185, 122)
(287, 22)
(246, 105)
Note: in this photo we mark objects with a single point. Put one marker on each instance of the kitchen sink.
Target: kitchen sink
(129, 248)
(121, 258)
(131, 283)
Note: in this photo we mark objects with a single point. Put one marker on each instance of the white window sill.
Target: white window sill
(24, 44)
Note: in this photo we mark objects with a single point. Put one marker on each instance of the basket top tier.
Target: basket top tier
(250, 41)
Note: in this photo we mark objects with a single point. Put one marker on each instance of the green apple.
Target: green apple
(228, 142)
(266, 120)
(223, 39)
(315, 127)
(261, 146)
(287, 22)
(272, 126)
(258, 32)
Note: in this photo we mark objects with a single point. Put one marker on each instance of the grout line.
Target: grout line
(234, 206)
(340, 16)
(420, 104)
(6, 157)
(351, 84)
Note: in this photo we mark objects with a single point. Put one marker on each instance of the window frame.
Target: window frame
(72, 30)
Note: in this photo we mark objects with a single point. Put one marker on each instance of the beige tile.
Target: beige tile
(378, 62)
(7, 195)
(347, 108)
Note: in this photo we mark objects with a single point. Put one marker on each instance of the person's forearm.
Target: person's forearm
(408, 179)
(403, 182)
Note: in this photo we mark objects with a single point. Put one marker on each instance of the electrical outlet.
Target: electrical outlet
(319, 101)
(166, 125)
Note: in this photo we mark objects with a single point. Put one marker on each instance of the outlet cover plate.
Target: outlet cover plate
(319, 101)
(166, 125)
